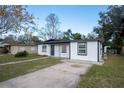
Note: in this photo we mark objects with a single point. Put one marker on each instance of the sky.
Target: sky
(81, 19)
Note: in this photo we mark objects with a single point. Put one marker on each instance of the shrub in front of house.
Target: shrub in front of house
(3, 51)
(21, 54)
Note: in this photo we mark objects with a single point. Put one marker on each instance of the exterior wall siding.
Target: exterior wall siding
(40, 52)
(91, 52)
(64, 55)
(57, 50)
(29, 49)
(14, 49)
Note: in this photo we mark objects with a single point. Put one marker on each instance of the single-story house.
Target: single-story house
(14, 46)
(4, 46)
(22, 47)
(90, 50)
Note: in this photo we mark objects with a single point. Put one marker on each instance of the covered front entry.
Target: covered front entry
(52, 50)
(60, 50)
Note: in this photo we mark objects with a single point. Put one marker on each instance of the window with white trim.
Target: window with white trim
(64, 49)
(82, 48)
(44, 48)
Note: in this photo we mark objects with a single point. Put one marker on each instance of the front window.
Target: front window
(82, 50)
(44, 48)
(63, 48)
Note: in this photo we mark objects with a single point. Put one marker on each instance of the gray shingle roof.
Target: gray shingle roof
(54, 41)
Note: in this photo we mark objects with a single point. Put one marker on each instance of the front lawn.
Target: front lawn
(9, 58)
(14, 70)
(111, 74)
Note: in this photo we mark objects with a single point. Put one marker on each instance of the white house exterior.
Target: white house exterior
(89, 50)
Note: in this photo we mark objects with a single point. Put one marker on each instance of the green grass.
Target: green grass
(14, 70)
(111, 74)
(9, 58)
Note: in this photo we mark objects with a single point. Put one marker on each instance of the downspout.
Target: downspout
(69, 50)
(98, 51)
(59, 51)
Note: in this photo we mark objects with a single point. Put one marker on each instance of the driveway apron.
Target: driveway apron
(63, 75)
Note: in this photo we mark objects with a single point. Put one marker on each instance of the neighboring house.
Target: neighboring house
(22, 47)
(4, 46)
(1, 46)
(90, 50)
(13, 47)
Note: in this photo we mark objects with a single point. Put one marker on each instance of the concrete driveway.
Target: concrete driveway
(63, 75)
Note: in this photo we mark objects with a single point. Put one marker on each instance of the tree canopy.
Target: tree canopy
(14, 18)
(51, 29)
(69, 35)
(111, 26)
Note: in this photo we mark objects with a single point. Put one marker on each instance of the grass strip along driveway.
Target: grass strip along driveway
(8, 63)
(10, 58)
(14, 70)
(111, 74)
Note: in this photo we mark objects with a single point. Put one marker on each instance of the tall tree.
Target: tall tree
(76, 36)
(26, 38)
(35, 40)
(14, 18)
(91, 36)
(51, 30)
(9, 39)
(111, 25)
(67, 35)
(83, 37)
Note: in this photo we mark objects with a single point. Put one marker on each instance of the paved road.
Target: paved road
(63, 75)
